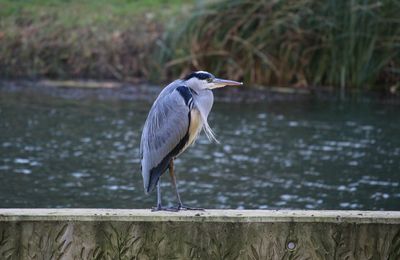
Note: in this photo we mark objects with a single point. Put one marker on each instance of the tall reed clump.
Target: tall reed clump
(343, 43)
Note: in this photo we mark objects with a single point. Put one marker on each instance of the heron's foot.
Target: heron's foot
(181, 207)
(161, 208)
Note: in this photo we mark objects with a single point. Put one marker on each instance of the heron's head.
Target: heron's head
(202, 80)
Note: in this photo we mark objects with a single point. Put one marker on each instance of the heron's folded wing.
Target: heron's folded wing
(166, 125)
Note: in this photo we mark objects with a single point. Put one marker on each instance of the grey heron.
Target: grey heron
(173, 124)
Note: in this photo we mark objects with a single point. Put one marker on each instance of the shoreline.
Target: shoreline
(119, 90)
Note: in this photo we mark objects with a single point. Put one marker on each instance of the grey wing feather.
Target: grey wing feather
(166, 125)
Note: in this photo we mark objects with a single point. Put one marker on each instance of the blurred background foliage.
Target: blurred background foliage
(341, 43)
(81, 39)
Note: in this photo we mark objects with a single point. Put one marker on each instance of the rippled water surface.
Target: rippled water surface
(290, 154)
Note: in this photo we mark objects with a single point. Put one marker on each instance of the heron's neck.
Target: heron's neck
(204, 100)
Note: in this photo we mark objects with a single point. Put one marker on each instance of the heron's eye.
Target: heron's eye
(209, 80)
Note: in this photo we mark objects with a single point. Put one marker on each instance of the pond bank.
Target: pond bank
(115, 90)
(86, 39)
(119, 90)
(253, 234)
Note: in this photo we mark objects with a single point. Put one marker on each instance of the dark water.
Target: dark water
(290, 154)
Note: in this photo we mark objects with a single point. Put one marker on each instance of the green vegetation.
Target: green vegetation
(344, 43)
(72, 14)
(341, 43)
(87, 39)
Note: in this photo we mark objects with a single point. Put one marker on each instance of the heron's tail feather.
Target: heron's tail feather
(154, 177)
(156, 172)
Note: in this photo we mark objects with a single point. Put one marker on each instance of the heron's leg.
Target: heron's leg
(159, 207)
(173, 179)
(159, 193)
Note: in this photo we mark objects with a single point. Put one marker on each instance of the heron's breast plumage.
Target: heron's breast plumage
(194, 130)
(195, 125)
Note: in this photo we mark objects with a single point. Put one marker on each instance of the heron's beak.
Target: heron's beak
(219, 83)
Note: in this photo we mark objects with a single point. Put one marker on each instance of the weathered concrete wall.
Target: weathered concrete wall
(212, 234)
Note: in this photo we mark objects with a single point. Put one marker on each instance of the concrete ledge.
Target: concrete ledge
(139, 215)
(210, 234)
